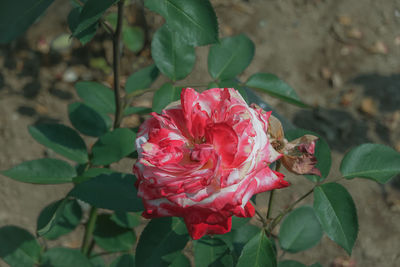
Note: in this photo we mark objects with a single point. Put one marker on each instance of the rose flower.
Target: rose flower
(203, 159)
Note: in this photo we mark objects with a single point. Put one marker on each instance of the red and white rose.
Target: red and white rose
(204, 158)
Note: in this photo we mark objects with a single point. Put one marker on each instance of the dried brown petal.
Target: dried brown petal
(304, 164)
(275, 128)
(298, 155)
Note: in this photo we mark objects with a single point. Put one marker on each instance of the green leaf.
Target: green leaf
(230, 57)
(133, 38)
(238, 222)
(322, 153)
(92, 172)
(290, 263)
(64, 257)
(337, 214)
(91, 13)
(317, 264)
(113, 146)
(73, 21)
(49, 216)
(112, 237)
(126, 260)
(16, 17)
(372, 161)
(300, 230)
(42, 171)
(161, 237)
(194, 20)
(172, 57)
(211, 252)
(275, 87)
(18, 247)
(126, 220)
(238, 238)
(157, 6)
(110, 191)
(61, 139)
(141, 79)
(87, 120)
(258, 252)
(96, 96)
(59, 218)
(212, 85)
(97, 261)
(164, 96)
(177, 259)
(137, 110)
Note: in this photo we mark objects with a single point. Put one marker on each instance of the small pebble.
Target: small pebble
(326, 73)
(70, 76)
(354, 33)
(337, 80)
(379, 48)
(344, 20)
(369, 106)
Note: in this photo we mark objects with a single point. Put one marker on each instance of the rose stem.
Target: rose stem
(277, 219)
(271, 197)
(117, 63)
(87, 239)
(271, 194)
(264, 222)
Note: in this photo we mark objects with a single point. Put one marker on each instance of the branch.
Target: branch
(87, 238)
(117, 65)
(277, 219)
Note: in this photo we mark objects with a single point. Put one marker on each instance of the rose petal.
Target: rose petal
(203, 160)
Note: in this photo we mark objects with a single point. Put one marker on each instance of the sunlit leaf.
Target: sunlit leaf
(272, 85)
(61, 139)
(42, 171)
(172, 57)
(230, 57)
(372, 161)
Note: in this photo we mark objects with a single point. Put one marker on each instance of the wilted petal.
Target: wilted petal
(298, 155)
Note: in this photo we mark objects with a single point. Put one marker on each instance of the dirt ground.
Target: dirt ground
(341, 56)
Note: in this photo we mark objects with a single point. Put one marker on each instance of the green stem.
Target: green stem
(259, 214)
(87, 238)
(271, 194)
(271, 198)
(277, 219)
(87, 243)
(117, 65)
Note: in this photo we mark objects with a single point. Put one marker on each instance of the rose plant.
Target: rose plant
(200, 158)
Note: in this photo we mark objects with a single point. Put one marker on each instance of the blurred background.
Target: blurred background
(341, 56)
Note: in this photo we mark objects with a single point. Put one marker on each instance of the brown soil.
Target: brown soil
(341, 56)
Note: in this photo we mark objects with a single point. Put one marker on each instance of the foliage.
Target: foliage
(164, 241)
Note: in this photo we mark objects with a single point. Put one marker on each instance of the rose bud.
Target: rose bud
(203, 159)
(298, 155)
